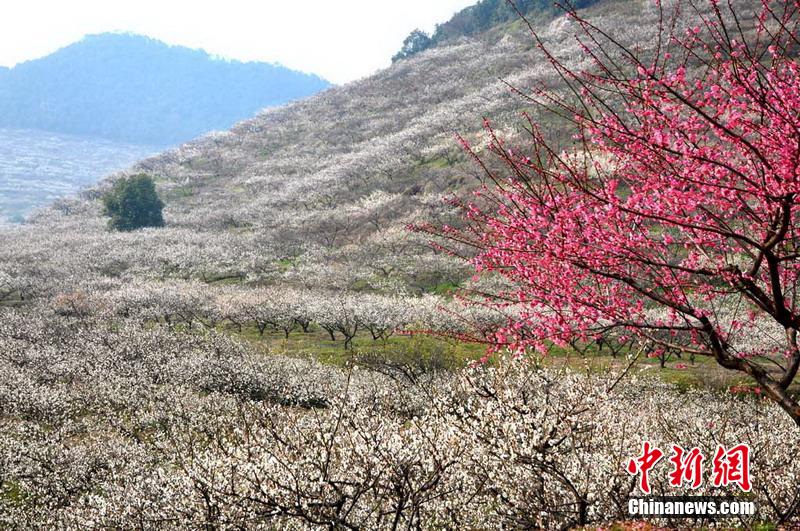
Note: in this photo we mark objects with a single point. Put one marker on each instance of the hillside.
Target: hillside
(319, 192)
(134, 89)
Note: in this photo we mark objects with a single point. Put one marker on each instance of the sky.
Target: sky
(341, 40)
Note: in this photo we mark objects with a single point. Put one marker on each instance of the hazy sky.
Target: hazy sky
(341, 40)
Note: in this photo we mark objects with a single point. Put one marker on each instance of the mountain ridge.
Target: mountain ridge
(132, 88)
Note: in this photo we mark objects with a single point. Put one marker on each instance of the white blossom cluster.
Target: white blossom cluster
(132, 425)
(342, 314)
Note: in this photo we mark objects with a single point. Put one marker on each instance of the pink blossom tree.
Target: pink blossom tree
(673, 217)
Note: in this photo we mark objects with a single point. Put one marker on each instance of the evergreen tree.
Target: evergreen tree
(133, 203)
(416, 42)
(478, 18)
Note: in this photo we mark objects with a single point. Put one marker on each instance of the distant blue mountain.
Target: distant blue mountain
(131, 88)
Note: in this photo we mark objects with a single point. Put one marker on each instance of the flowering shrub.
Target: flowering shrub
(681, 195)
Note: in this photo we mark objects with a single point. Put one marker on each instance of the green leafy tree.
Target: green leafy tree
(481, 17)
(416, 42)
(133, 203)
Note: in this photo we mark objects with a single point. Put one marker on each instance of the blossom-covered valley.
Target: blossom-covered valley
(37, 168)
(307, 342)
